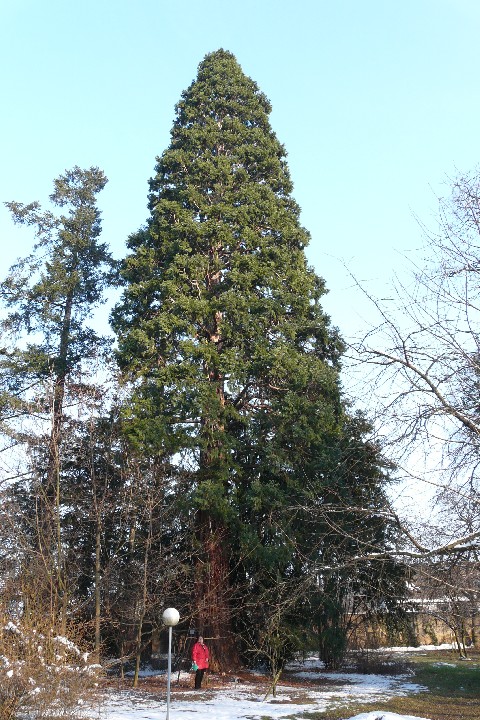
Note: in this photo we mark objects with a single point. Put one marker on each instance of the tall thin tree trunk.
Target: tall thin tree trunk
(143, 600)
(60, 375)
(50, 520)
(97, 589)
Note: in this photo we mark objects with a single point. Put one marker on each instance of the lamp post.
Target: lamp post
(170, 618)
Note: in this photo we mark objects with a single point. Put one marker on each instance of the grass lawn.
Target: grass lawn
(453, 690)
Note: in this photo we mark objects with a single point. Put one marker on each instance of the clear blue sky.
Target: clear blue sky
(376, 101)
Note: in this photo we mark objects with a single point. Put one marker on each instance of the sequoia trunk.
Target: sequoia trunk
(212, 594)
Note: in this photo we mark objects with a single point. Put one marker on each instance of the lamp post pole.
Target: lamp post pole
(170, 618)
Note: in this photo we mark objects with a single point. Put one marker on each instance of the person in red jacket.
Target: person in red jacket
(200, 661)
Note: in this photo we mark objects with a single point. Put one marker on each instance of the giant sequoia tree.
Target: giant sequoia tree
(233, 364)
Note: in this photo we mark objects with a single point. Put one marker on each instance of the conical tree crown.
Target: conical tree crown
(218, 278)
(223, 119)
(221, 325)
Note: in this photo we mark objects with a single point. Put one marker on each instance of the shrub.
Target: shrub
(377, 662)
(42, 673)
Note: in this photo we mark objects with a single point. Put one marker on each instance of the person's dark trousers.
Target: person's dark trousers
(198, 679)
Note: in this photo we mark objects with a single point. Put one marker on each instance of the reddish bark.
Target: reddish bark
(212, 594)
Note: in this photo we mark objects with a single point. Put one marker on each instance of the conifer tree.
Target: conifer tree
(49, 296)
(220, 325)
(233, 363)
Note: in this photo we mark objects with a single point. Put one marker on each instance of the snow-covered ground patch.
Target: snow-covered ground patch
(307, 689)
(417, 648)
(379, 715)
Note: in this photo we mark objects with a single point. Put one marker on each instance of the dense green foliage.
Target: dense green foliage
(68, 269)
(49, 296)
(221, 310)
(233, 363)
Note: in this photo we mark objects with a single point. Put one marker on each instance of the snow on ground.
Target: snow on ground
(376, 715)
(417, 648)
(244, 700)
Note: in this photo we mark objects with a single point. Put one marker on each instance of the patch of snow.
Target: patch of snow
(67, 643)
(309, 662)
(380, 715)
(147, 672)
(11, 627)
(243, 700)
(420, 648)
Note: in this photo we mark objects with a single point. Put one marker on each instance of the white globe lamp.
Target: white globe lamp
(170, 617)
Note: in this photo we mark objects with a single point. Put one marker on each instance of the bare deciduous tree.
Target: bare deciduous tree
(423, 362)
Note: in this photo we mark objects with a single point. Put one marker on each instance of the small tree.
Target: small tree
(447, 589)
